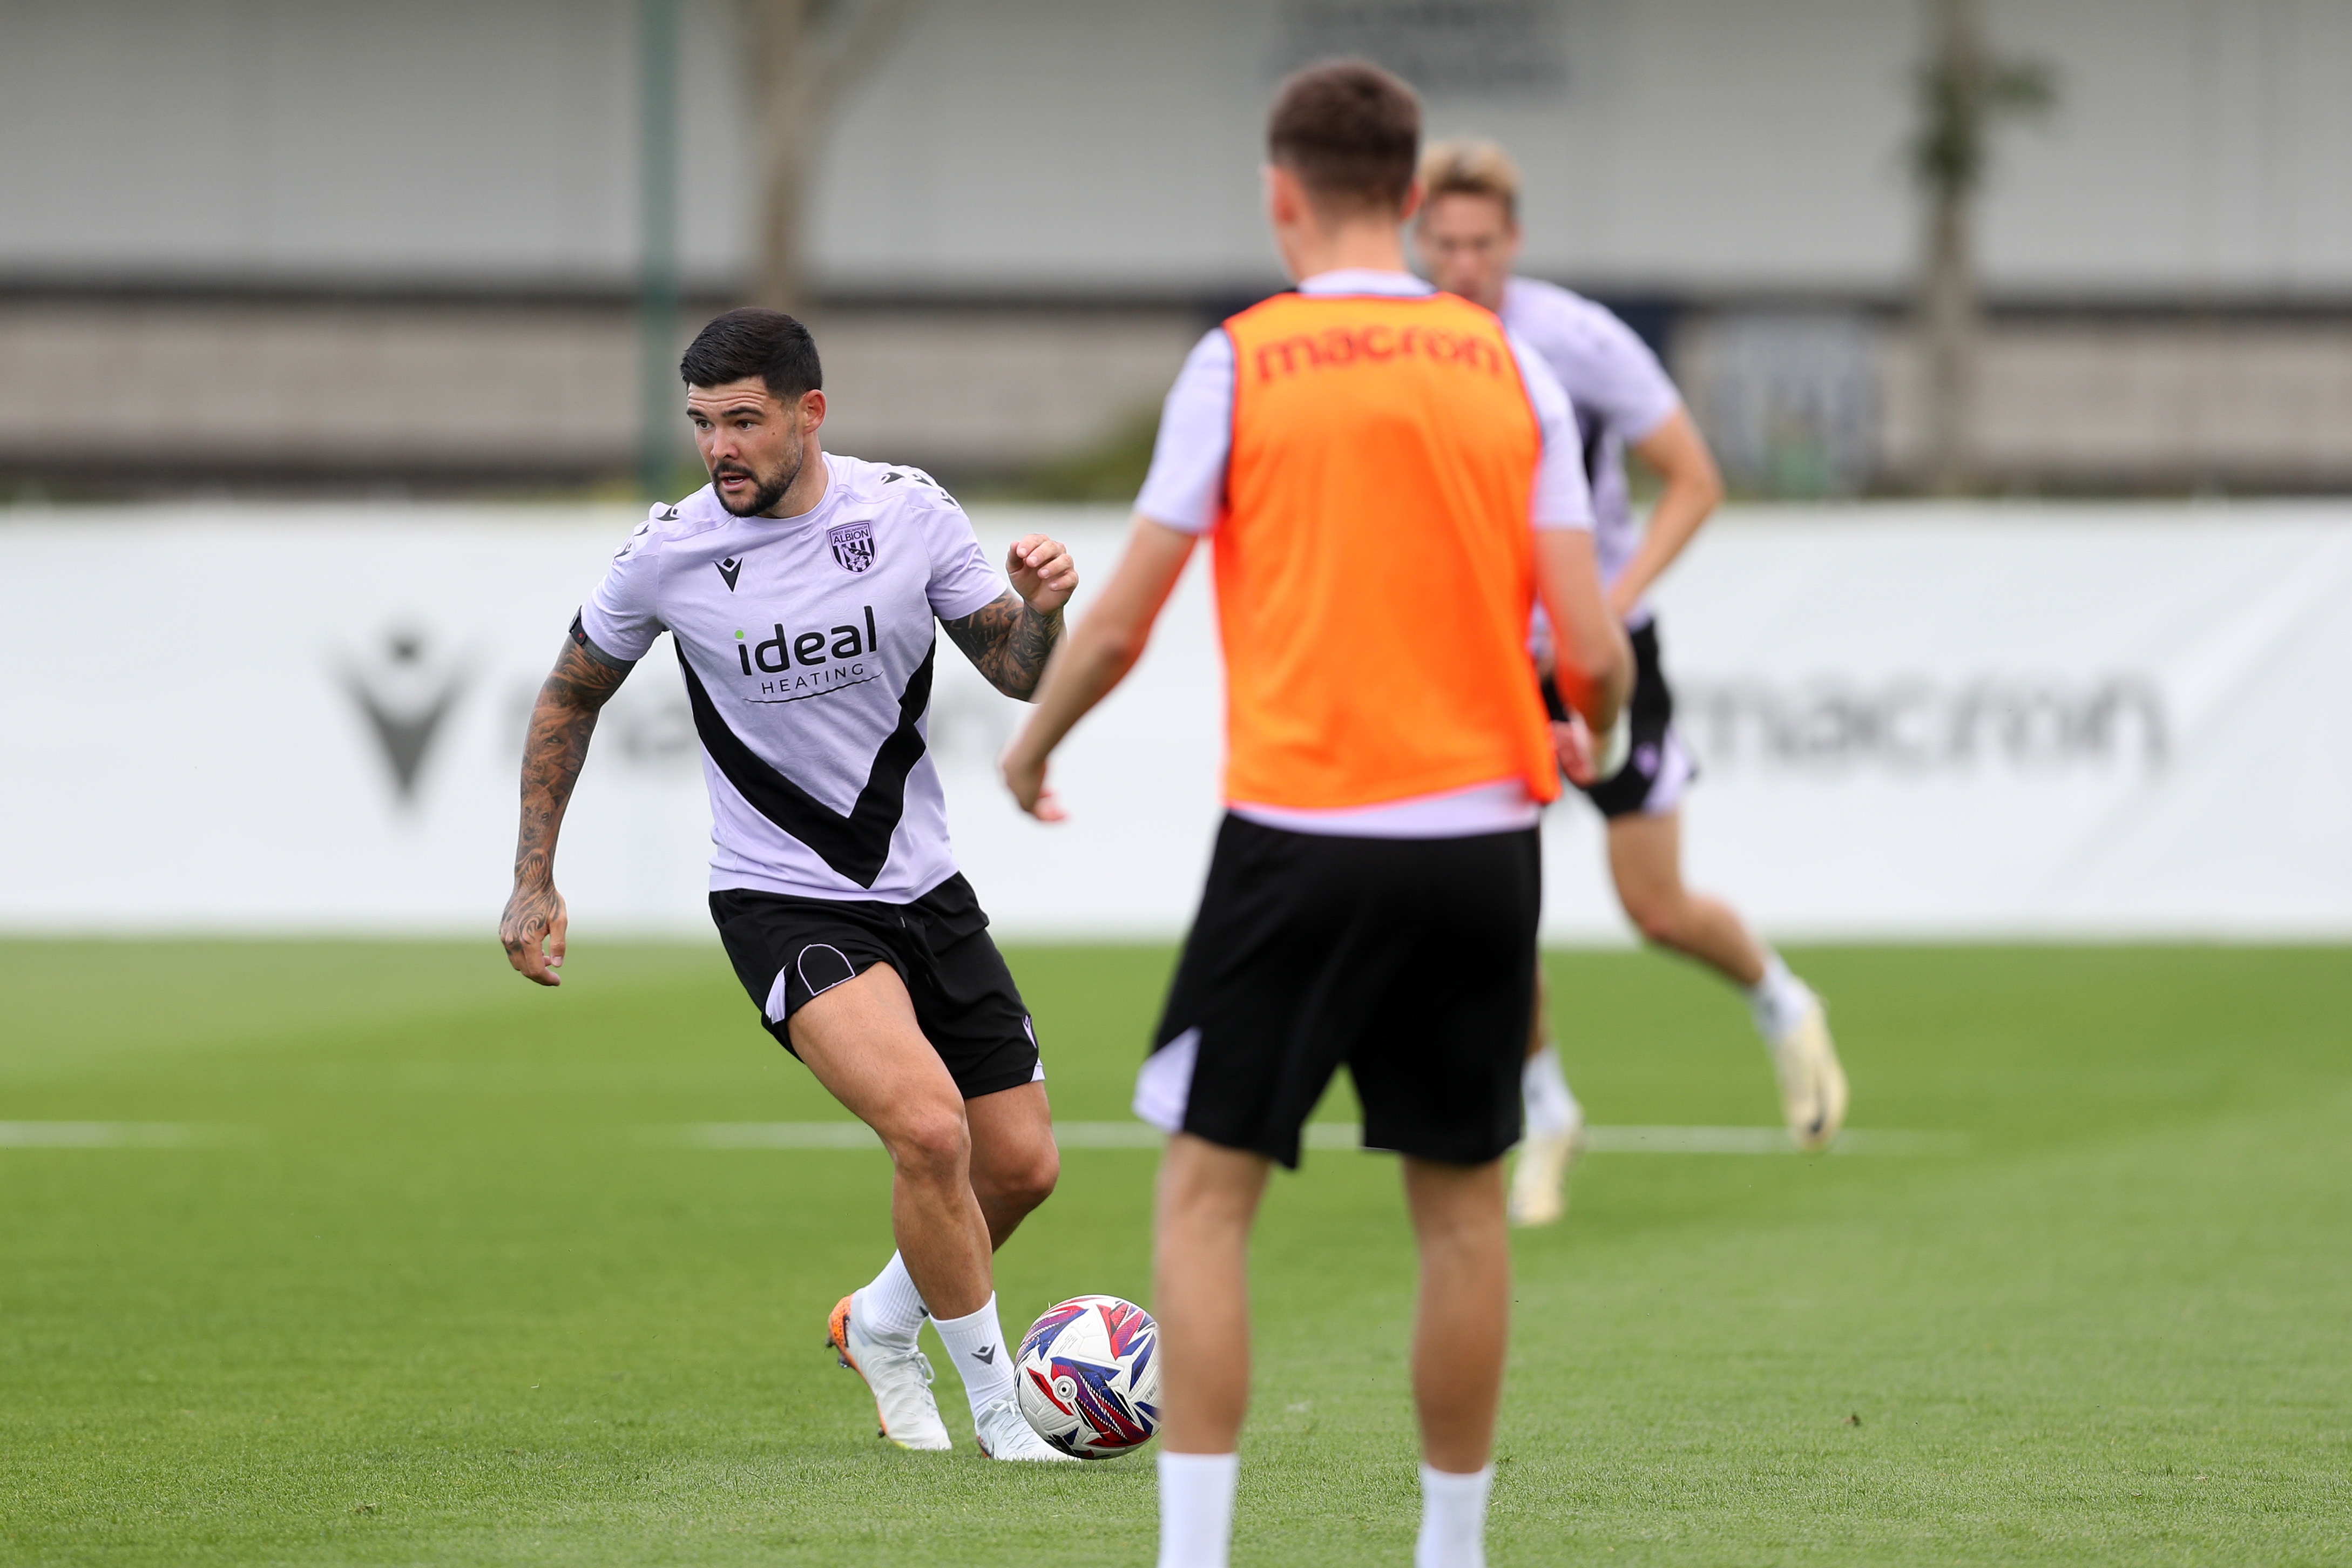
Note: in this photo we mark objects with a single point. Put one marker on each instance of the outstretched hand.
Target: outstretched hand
(535, 916)
(1024, 775)
(1042, 571)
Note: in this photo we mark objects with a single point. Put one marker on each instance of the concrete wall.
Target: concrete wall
(1825, 400)
(315, 239)
(1041, 145)
(466, 141)
(130, 396)
(114, 396)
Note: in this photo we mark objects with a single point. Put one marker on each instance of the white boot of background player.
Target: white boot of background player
(1797, 1029)
(1553, 1143)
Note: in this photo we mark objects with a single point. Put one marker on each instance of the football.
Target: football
(1089, 1376)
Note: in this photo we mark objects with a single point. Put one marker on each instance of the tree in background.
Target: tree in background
(806, 54)
(1962, 89)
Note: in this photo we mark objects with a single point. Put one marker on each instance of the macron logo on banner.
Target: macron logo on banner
(405, 695)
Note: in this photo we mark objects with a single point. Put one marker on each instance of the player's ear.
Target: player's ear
(813, 409)
(1411, 207)
(1284, 200)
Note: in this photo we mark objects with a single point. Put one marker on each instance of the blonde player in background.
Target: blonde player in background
(1468, 235)
(1389, 480)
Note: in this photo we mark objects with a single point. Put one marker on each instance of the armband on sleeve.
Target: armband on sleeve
(587, 646)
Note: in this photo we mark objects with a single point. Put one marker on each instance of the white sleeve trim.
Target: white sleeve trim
(1185, 487)
(963, 577)
(1636, 434)
(983, 596)
(632, 640)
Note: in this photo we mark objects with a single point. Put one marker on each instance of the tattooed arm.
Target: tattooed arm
(561, 723)
(1008, 640)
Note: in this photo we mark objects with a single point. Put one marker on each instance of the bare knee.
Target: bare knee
(1024, 1179)
(1205, 1190)
(932, 1146)
(1040, 1175)
(1457, 1216)
(1657, 916)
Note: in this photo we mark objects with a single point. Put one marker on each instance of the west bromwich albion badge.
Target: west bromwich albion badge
(853, 545)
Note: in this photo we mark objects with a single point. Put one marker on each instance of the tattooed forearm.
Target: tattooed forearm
(561, 723)
(532, 928)
(1008, 642)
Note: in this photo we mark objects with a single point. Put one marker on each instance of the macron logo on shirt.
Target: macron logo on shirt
(1335, 346)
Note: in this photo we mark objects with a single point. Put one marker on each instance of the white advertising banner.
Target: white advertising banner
(1911, 722)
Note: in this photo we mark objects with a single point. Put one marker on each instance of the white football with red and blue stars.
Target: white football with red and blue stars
(1089, 1376)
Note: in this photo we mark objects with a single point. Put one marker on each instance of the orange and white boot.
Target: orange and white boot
(899, 1376)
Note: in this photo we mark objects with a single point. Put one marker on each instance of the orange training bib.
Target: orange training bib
(1374, 561)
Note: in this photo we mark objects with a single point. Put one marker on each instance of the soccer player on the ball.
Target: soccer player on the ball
(1389, 480)
(800, 588)
(1468, 235)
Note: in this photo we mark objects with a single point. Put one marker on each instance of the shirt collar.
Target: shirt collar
(1365, 280)
(836, 478)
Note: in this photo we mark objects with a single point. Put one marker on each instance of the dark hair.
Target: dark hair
(1350, 132)
(751, 342)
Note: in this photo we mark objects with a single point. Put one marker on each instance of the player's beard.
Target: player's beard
(772, 486)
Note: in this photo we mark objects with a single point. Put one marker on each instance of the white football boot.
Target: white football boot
(1003, 1433)
(1539, 1177)
(899, 1377)
(1812, 1084)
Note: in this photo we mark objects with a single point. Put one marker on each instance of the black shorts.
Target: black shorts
(965, 1001)
(1658, 768)
(1410, 960)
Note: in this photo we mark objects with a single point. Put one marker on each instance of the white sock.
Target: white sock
(1551, 1109)
(891, 1308)
(1196, 1509)
(1453, 1519)
(1778, 1000)
(981, 1357)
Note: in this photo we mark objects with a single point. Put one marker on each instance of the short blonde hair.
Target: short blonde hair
(1467, 168)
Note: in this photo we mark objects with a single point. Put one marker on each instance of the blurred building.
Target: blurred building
(317, 242)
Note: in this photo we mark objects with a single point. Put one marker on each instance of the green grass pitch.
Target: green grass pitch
(437, 1288)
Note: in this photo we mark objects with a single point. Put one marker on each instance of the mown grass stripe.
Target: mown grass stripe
(99, 1134)
(1336, 1135)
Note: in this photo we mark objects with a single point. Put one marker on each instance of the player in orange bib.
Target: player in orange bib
(1390, 482)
